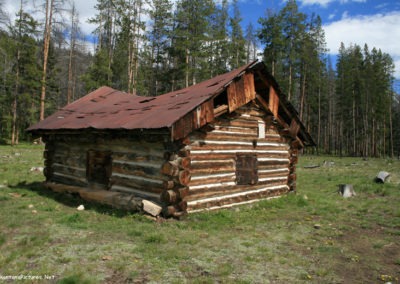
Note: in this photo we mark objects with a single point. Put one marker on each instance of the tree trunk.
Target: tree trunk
(70, 90)
(303, 93)
(46, 44)
(391, 127)
(14, 135)
(290, 82)
(354, 124)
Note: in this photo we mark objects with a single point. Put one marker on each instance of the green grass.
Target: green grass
(357, 240)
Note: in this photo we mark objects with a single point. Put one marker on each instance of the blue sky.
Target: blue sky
(375, 22)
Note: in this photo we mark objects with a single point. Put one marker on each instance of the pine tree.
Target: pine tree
(159, 40)
(190, 41)
(106, 36)
(251, 43)
(237, 50)
(272, 37)
(219, 40)
(22, 80)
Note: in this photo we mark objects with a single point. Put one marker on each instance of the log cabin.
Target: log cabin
(233, 139)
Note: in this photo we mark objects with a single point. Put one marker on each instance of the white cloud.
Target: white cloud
(380, 31)
(85, 9)
(322, 3)
(345, 15)
(325, 3)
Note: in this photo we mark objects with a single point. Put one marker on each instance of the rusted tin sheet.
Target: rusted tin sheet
(106, 108)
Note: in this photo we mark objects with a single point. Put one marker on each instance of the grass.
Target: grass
(314, 236)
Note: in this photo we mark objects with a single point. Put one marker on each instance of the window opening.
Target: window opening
(246, 169)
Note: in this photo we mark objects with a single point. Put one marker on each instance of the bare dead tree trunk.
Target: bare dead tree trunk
(354, 124)
(46, 45)
(319, 117)
(303, 93)
(391, 127)
(71, 81)
(14, 131)
(290, 82)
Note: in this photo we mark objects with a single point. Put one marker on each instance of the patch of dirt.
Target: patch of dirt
(118, 277)
(368, 257)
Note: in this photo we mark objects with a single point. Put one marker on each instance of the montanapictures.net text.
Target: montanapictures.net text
(27, 277)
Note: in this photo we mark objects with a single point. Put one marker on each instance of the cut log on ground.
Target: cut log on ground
(382, 177)
(346, 190)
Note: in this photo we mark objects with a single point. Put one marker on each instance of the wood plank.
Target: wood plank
(249, 87)
(273, 101)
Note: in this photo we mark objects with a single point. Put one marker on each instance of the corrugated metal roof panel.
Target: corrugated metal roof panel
(106, 108)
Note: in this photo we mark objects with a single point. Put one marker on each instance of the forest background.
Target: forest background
(150, 47)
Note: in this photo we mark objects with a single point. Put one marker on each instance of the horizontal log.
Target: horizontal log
(154, 165)
(199, 156)
(272, 179)
(273, 171)
(237, 143)
(274, 161)
(283, 153)
(218, 189)
(247, 146)
(115, 145)
(251, 112)
(74, 160)
(68, 179)
(146, 193)
(248, 138)
(211, 179)
(212, 163)
(231, 134)
(143, 169)
(220, 110)
(138, 157)
(69, 170)
(237, 197)
(115, 199)
(138, 182)
(235, 129)
(230, 205)
(238, 122)
(198, 172)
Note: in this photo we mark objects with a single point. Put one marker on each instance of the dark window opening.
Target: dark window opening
(99, 167)
(220, 100)
(246, 169)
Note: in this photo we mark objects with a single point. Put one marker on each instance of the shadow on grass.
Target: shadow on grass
(72, 200)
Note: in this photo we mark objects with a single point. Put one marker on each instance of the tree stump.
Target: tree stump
(346, 190)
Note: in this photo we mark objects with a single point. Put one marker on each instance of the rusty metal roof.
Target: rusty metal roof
(106, 108)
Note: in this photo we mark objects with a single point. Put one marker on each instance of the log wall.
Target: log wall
(135, 166)
(213, 154)
(198, 172)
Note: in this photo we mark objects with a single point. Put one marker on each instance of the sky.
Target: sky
(374, 22)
